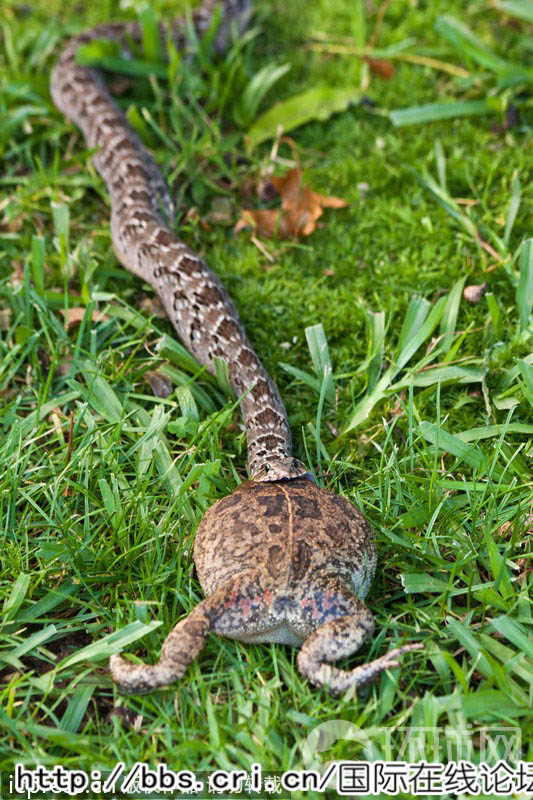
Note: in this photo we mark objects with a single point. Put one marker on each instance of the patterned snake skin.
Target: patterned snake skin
(141, 211)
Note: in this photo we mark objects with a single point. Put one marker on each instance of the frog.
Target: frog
(281, 561)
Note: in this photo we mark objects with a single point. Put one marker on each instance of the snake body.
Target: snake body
(141, 214)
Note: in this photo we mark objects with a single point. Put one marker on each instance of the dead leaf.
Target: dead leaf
(264, 222)
(161, 386)
(76, 314)
(380, 67)
(473, 294)
(300, 209)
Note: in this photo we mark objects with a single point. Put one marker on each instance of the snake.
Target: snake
(142, 211)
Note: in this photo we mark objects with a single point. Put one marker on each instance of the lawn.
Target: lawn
(419, 410)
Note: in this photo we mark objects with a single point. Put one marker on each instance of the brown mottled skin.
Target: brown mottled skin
(282, 562)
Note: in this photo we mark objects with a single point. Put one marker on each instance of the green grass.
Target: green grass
(419, 412)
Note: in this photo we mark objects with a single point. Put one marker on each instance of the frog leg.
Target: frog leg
(238, 605)
(340, 636)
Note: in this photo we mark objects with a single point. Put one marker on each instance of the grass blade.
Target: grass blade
(100, 396)
(255, 91)
(435, 375)
(514, 633)
(99, 54)
(526, 371)
(151, 41)
(488, 431)
(495, 314)
(468, 44)
(318, 103)
(418, 332)
(76, 708)
(112, 643)
(516, 8)
(376, 327)
(524, 291)
(433, 112)
(29, 644)
(514, 205)
(417, 312)
(470, 454)
(299, 374)
(318, 347)
(51, 600)
(446, 201)
(14, 600)
(449, 315)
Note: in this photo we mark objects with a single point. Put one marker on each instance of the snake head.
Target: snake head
(281, 469)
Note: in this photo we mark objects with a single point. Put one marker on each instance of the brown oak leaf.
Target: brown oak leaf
(76, 314)
(300, 209)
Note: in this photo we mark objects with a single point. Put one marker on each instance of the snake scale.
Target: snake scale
(279, 559)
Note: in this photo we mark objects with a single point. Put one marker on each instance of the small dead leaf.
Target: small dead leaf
(161, 386)
(76, 314)
(473, 294)
(380, 67)
(300, 209)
